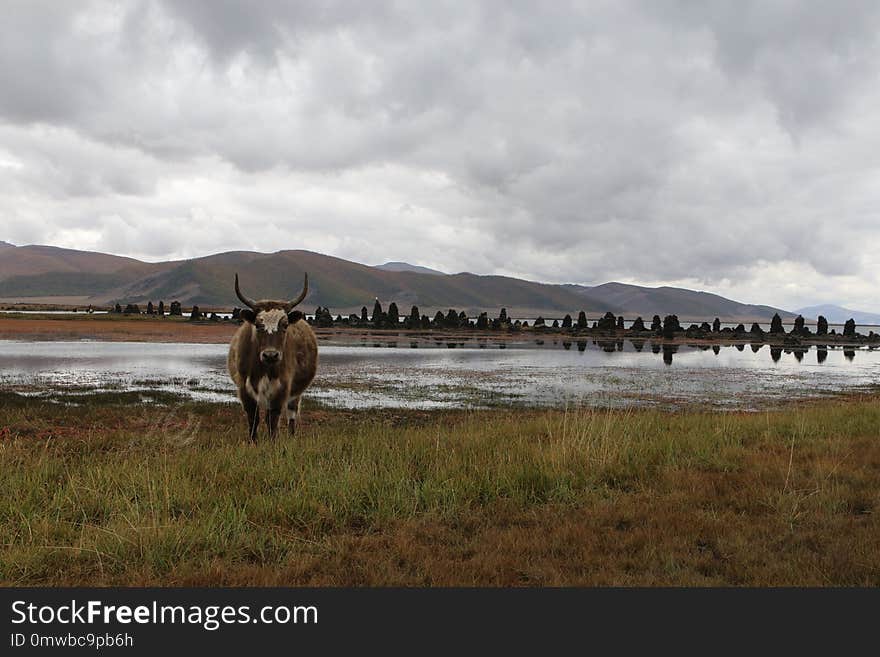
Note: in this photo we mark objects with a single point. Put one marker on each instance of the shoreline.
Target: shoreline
(167, 329)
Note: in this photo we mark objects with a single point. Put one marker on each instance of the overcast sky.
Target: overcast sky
(726, 146)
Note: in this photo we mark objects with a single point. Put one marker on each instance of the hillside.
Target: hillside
(34, 273)
(405, 266)
(28, 273)
(687, 304)
(839, 314)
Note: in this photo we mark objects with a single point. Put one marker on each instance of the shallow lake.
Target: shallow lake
(553, 374)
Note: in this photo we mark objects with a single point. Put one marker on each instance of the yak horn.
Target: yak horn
(292, 304)
(248, 302)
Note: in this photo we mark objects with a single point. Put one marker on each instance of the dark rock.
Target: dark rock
(608, 322)
(671, 326)
(776, 324)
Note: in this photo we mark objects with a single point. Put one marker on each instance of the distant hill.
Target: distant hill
(4, 245)
(838, 314)
(29, 273)
(47, 274)
(687, 304)
(405, 266)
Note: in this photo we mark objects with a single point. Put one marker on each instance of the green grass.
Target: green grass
(116, 493)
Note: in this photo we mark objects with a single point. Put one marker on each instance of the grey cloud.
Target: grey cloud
(807, 57)
(653, 142)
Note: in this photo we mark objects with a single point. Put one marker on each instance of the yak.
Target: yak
(272, 359)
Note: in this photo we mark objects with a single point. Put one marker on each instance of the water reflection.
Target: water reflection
(610, 372)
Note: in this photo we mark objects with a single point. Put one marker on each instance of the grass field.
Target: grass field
(112, 492)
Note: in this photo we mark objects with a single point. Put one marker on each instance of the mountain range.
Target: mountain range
(405, 266)
(47, 274)
(838, 314)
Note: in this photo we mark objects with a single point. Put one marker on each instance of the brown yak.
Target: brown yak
(272, 359)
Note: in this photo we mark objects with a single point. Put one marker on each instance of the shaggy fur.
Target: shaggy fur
(275, 387)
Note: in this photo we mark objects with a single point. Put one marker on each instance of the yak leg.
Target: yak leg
(272, 417)
(292, 413)
(253, 415)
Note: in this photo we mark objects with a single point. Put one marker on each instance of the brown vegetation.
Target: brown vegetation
(107, 493)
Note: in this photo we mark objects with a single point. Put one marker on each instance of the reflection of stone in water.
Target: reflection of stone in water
(620, 345)
(775, 353)
(849, 354)
(655, 348)
(566, 345)
(607, 346)
(582, 345)
(539, 342)
(821, 353)
(668, 350)
(377, 344)
(716, 349)
(756, 348)
(638, 345)
(740, 347)
(451, 345)
(799, 355)
(414, 345)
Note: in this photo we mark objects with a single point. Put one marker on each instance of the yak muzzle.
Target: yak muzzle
(270, 356)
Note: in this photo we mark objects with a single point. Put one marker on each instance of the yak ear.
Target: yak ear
(248, 315)
(294, 316)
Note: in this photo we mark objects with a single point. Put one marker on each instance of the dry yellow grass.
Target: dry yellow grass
(115, 493)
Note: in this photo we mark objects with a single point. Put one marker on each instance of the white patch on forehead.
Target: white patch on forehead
(270, 319)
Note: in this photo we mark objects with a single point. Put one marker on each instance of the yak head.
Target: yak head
(271, 319)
